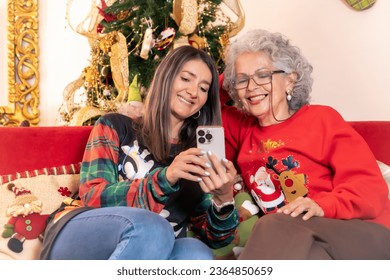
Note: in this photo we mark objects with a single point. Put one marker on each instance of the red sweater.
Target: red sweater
(314, 153)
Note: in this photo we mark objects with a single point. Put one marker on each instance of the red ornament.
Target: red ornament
(99, 28)
(107, 17)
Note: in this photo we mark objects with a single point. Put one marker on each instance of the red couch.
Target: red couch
(29, 148)
(40, 148)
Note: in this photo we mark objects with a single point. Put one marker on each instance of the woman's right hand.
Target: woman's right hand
(302, 205)
(221, 179)
(187, 165)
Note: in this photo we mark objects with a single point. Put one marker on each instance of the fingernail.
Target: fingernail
(207, 173)
(198, 179)
(209, 153)
(207, 164)
(225, 160)
(203, 152)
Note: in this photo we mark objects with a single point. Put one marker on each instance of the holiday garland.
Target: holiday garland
(129, 38)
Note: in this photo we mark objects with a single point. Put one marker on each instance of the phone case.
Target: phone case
(211, 138)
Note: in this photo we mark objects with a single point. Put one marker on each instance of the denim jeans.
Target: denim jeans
(124, 233)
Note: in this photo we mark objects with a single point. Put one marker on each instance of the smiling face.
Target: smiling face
(263, 101)
(190, 90)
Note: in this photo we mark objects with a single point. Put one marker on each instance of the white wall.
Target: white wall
(63, 54)
(350, 51)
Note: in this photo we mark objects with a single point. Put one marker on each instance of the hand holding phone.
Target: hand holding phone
(211, 138)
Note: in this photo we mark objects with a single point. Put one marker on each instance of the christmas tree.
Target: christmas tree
(129, 38)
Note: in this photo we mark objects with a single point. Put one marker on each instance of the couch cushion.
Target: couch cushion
(43, 190)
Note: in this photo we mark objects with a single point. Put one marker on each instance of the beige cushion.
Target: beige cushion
(48, 187)
(385, 169)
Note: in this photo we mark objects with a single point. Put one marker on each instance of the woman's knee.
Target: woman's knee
(146, 223)
(127, 222)
(145, 235)
(191, 249)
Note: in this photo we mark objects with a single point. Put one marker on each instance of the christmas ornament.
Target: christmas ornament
(134, 107)
(106, 92)
(360, 5)
(165, 38)
(197, 42)
(134, 92)
(147, 43)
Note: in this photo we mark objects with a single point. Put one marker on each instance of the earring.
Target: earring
(289, 96)
(196, 117)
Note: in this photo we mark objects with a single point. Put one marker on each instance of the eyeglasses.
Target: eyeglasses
(259, 77)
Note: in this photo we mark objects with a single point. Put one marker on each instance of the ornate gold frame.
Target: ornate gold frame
(23, 74)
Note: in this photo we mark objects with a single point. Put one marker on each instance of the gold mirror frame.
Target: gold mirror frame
(23, 75)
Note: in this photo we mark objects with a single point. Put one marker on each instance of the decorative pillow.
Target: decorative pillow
(26, 201)
(385, 169)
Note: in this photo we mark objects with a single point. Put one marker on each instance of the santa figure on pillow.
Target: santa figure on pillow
(26, 221)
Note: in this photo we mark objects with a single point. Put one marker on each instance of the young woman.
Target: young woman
(311, 173)
(143, 183)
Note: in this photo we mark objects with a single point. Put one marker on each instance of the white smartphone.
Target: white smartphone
(211, 138)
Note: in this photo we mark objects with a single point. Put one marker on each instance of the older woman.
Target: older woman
(313, 176)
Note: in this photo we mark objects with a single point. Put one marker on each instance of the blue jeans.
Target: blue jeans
(124, 233)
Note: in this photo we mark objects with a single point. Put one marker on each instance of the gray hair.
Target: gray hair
(283, 55)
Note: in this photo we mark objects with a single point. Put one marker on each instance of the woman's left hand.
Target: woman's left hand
(221, 179)
(302, 205)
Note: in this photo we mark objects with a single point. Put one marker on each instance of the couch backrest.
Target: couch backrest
(376, 134)
(30, 148)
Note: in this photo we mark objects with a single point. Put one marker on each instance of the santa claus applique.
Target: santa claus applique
(26, 221)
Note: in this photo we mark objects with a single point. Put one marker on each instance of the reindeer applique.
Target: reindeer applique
(292, 185)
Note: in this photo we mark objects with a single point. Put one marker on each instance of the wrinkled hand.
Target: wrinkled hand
(302, 205)
(187, 165)
(221, 179)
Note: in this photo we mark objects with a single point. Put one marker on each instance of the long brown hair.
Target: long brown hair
(155, 126)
